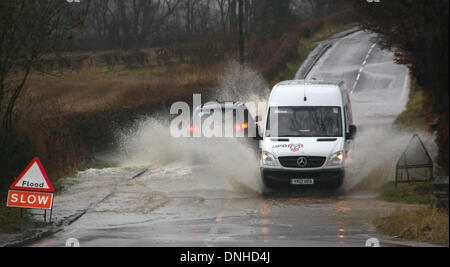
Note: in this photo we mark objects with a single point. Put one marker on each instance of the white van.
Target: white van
(306, 140)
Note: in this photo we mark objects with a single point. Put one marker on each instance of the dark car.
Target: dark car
(235, 119)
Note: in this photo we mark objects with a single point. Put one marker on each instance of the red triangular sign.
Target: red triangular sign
(33, 178)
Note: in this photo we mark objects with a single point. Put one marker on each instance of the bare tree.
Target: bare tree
(140, 20)
(28, 29)
(128, 24)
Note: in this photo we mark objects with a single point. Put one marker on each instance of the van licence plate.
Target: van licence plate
(302, 181)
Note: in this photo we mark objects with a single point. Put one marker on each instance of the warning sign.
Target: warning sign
(33, 178)
(30, 200)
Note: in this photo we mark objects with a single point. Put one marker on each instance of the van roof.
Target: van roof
(310, 82)
(318, 93)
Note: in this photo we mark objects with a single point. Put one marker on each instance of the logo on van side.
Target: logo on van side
(292, 147)
(295, 147)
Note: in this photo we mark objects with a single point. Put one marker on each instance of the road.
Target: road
(180, 203)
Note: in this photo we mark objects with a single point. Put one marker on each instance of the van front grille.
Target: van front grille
(311, 162)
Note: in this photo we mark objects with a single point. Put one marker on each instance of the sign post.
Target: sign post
(32, 189)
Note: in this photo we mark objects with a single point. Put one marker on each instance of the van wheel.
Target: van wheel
(335, 185)
(267, 187)
(267, 192)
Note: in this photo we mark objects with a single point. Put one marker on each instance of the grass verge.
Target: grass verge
(408, 194)
(98, 164)
(415, 117)
(10, 219)
(425, 225)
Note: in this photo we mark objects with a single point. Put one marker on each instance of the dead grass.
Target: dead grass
(95, 90)
(99, 89)
(420, 193)
(99, 86)
(415, 117)
(66, 118)
(10, 219)
(428, 224)
(425, 225)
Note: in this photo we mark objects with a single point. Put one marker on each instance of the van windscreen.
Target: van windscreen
(304, 122)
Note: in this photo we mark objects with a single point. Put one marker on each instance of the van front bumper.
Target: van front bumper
(283, 177)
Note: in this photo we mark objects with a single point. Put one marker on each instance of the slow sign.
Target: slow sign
(32, 189)
(30, 200)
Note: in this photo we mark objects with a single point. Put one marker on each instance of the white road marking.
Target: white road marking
(324, 56)
(405, 86)
(219, 217)
(362, 67)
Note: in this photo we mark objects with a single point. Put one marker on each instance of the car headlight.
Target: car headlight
(268, 159)
(337, 159)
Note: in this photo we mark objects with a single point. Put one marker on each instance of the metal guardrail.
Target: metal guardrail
(415, 164)
(440, 191)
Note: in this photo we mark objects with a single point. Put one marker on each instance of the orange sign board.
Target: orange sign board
(30, 200)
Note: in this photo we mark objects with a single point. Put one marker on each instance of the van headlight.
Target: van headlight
(268, 159)
(337, 159)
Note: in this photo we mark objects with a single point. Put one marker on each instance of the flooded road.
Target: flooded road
(176, 206)
(210, 194)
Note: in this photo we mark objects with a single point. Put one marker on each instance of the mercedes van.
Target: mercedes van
(308, 133)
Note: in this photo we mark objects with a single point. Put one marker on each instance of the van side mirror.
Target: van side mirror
(258, 136)
(352, 134)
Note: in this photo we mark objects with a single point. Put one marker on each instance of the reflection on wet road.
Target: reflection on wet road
(164, 208)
